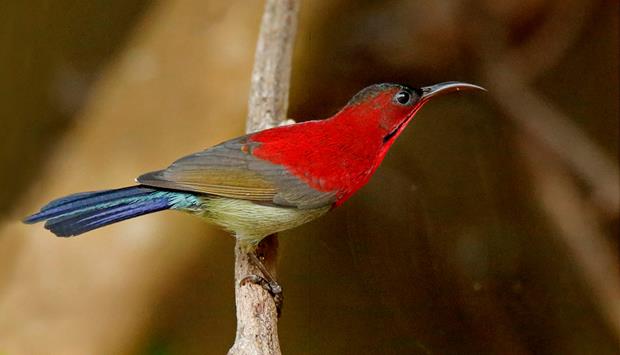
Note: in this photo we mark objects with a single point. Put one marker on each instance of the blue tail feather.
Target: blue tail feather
(79, 213)
(81, 223)
(64, 205)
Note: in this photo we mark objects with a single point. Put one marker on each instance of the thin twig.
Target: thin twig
(547, 129)
(257, 320)
(509, 72)
(579, 230)
(544, 122)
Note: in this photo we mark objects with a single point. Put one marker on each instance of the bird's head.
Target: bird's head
(388, 108)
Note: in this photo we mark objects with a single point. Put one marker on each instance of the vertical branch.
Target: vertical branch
(268, 100)
(257, 327)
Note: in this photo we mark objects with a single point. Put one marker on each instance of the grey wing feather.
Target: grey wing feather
(230, 170)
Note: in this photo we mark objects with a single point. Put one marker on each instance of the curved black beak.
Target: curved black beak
(447, 87)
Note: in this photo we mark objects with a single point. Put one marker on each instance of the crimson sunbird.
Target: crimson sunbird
(264, 182)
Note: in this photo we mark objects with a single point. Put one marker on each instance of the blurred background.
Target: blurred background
(491, 227)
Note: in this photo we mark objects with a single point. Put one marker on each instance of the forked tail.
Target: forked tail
(79, 213)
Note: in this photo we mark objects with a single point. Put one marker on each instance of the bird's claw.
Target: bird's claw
(274, 289)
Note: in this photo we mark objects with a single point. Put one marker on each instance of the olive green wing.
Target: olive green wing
(231, 170)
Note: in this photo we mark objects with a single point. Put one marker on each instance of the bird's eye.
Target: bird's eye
(402, 98)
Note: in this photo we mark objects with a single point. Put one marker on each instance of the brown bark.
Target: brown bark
(257, 320)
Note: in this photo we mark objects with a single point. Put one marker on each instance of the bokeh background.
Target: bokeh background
(491, 227)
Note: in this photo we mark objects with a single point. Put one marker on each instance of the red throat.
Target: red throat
(337, 155)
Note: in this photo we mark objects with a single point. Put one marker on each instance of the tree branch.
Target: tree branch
(508, 73)
(257, 320)
(544, 122)
(579, 229)
(552, 142)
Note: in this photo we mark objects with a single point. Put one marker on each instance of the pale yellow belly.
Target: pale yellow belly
(251, 222)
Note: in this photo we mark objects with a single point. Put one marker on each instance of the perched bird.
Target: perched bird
(265, 182)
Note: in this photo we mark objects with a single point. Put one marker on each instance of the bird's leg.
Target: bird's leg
(267, 281)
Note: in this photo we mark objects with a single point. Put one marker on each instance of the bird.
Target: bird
(265, 182)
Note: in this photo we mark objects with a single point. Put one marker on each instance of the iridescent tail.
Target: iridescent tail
(79, 213)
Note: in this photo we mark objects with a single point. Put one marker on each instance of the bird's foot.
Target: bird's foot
(274, 289)
(266, 281)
